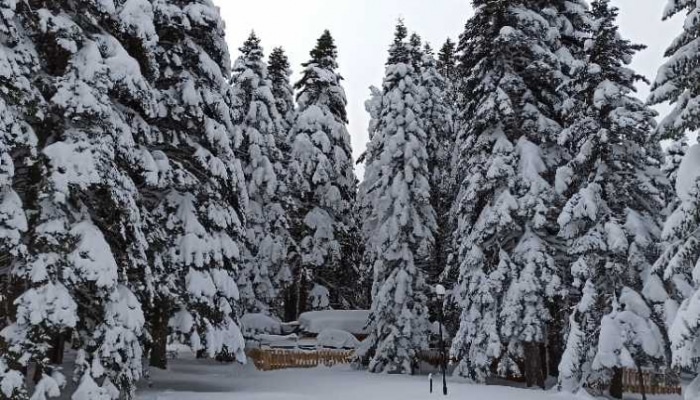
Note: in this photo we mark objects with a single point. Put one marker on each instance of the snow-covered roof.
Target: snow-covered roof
(353, 321)
(252, 324)
(337, 339)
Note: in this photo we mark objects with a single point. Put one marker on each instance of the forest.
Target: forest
(157, 187)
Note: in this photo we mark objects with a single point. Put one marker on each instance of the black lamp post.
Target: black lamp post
(440, 292)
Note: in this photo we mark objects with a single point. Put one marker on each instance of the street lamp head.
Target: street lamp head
(440, 290)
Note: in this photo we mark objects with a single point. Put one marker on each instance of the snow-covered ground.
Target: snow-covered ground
(190, 379)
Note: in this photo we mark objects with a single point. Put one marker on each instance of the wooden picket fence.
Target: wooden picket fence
(655, 383)
(276, 359)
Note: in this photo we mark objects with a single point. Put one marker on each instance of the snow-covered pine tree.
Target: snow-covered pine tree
(614, 190)
(677, 83)
(199, 195)
(507, 155)
(415, 45)
(322, 181)
(279, 71)
(680, 264)
(86, 247)
(437, 117)
(257, 121)
(20, 100)
(401, 222)
(447, 66)
(447, 61)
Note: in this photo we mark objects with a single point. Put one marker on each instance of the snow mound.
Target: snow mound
(337, 339)
(255, 324)
(354, 321)
(688, 173)
(278, 340)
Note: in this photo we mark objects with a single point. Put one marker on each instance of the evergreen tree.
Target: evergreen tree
(280, 73)
(615, 189)
(677, 83)
(438, 122)
(415, 47)
(447, 66)
(198, 195)
(322, 181)
(401, 221)
(257, 121)
(447, 61)
(507, 144)
(85, 242)
(19, 97)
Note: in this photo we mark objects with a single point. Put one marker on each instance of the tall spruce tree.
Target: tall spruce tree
(507, 144)
(447, 60)
(198, 196)
(258, 122)
(280, 73)
(615, 189)
(86, 247)
(401, 222)
(437, 116)
(323, 183)
(20, 101)
(447, 66)
(677, 83)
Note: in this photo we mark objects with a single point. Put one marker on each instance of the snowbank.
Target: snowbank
(354, 321)
(255, 324)
(337, 339)
(277, 341)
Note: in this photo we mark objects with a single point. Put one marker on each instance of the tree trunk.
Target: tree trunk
(159, 338)
(640, 376)
(555, 340)
(533, 365)
(301, 294)
(616, 389)
(57, 349)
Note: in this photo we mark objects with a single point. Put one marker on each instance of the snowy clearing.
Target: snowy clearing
(206, 380)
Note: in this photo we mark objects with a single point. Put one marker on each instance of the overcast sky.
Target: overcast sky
(363, 30)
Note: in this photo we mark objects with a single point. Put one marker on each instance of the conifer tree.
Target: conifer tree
(447, 66)
(677, 83)
(615, 189)
(401, 222)
(438, 123)
(18, 63)
(85, 244)
(258, 122)
(280, 73)
(322, 181)
(447, 61)
(198, 195)
(507, 153)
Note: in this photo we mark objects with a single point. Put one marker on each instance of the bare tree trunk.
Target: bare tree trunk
(533, 365)
(57, 349)
(159, 337)
(640, 376)
(616, 389)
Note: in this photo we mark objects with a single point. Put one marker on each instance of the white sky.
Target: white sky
(363, 30)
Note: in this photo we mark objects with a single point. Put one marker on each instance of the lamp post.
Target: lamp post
(440, 292)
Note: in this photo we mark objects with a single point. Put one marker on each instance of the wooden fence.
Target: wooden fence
(652, 383)
(275, 359)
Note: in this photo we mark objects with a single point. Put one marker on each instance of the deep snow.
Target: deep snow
(190, 379)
